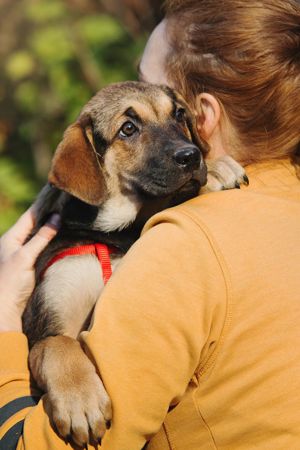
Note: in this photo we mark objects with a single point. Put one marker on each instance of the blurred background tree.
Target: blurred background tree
(54, 55)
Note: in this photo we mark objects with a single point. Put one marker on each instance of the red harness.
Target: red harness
(102, 252)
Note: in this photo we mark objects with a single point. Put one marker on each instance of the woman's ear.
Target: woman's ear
(208, 113)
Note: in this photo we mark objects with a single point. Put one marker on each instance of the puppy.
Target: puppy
(132, 152)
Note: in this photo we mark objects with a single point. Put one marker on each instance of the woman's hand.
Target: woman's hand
(17, 275)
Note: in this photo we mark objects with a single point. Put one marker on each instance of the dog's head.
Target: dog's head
(132, 141)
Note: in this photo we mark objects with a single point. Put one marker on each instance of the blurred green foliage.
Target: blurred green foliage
(16, 192)
(53, 59)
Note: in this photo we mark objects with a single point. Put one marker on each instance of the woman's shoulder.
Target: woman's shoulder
(273, 188)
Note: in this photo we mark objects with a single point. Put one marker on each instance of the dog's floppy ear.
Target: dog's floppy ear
(76, 168)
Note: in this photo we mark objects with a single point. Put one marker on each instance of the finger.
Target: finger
(40, 240)
(22, 228)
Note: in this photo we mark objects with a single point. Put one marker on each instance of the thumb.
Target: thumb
(42, 238)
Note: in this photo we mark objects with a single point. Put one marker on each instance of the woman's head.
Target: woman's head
(246, 54)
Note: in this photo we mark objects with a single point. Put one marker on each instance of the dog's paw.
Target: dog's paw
(224, 173)
(76, 400)
(79, 405)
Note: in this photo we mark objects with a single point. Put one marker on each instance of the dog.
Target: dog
(132, 152)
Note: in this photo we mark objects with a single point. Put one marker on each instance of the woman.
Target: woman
(197, 340)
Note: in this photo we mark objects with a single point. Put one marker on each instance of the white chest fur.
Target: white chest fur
(116, 214)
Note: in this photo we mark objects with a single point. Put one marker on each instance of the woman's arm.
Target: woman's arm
(152, 329)
(154, 326)
(17, 281)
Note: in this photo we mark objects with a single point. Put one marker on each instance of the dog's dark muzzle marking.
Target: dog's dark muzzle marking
(188, 157)
(170, 163)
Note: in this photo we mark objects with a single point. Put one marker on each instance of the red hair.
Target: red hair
(246, 54)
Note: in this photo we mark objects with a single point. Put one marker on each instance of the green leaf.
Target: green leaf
(13, 184)
(52, 44)
(45, 11)
(16, 193)
(99, 29)
(19, 65)
(27, 95)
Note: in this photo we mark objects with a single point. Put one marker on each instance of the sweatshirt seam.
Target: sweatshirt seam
(207, 364)
(168, 437)
(204, 421)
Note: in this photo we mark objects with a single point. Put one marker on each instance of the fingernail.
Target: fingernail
(54, 221)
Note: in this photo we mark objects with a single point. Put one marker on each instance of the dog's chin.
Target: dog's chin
(187, 192)
(192, 187)
(157, 189)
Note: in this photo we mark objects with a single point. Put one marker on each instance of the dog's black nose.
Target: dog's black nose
(188, 157)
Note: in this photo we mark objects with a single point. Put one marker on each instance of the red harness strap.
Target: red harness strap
(102, 252)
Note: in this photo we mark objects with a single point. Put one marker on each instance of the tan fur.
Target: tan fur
(67, 289)
(76, 399)
(223, 173)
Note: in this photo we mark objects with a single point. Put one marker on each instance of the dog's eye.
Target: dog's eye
(128, 129)
(180, 115)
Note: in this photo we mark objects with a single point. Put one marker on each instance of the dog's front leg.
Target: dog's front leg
(76, 399)
(58, 310)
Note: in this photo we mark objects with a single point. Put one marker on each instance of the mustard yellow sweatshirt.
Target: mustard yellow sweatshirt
(197, 335)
